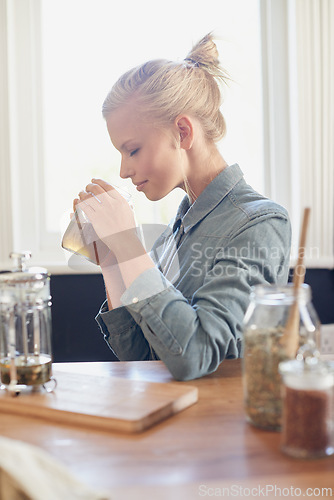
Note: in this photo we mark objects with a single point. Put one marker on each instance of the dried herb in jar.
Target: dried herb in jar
(262, 381)
(266, 345)
(306, 422)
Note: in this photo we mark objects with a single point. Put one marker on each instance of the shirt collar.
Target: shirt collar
(212, 195)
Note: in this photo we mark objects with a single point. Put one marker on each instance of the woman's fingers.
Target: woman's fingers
(103, 184)
(83, 195)
(102, 189)
(88, 201)
(75, 202)
(98, 193)
(115, 192)
(94, 188)
(86, 196)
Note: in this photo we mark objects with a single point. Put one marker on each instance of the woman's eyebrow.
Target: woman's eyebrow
(126, 143)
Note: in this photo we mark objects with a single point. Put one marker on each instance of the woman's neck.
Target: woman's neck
(203, 166)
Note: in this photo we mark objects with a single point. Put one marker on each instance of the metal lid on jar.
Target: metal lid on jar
(284, 294)
(31, 275)
(20, 273)
(310, 373)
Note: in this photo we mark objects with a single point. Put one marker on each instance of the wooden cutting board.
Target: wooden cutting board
(102, 403)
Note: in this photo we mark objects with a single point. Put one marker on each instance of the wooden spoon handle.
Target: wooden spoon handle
(299, 271)
(290, 338)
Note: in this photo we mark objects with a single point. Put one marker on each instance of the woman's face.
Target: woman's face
(151, 156)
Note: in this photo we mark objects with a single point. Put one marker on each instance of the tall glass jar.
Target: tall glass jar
(264, 347)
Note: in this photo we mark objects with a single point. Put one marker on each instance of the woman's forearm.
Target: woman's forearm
(114, 284)
(130, 261)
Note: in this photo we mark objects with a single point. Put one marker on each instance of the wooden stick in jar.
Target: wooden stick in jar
(290, 338)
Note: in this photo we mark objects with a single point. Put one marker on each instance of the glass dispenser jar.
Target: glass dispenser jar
(25, 326)
(266, 331)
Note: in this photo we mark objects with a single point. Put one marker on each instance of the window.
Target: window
(69, 54)
(59, 59)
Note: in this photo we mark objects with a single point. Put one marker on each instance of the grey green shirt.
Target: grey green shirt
(188, 311)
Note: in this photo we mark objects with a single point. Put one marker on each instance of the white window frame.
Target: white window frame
(298, 160)
(6, 220)
(20, 20)
(279, 111)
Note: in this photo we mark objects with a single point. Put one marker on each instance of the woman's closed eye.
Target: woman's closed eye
(132, 153)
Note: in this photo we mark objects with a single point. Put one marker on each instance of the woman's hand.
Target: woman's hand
(109, 212)
(114, 223)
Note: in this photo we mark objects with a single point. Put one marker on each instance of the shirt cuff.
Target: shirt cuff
(148, 284)
(114, 322)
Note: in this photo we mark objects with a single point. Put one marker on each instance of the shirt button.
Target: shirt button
(135, 300)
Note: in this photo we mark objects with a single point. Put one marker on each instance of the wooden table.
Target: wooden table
(207, 450)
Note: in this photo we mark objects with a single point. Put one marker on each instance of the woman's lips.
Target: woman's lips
(140, 186)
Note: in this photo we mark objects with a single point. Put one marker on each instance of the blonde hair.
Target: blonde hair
(165, 89)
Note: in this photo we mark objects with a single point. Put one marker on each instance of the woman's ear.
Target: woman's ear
(185, 130)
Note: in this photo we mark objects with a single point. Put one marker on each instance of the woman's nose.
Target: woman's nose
(125, 171)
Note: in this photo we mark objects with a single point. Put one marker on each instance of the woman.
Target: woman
(184, 302)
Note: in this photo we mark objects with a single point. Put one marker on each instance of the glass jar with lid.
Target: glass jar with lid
(308, 407)
(25, 326)
(266, 329)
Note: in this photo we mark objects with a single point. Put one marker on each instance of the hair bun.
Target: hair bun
(204, 54)
(163, 89)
